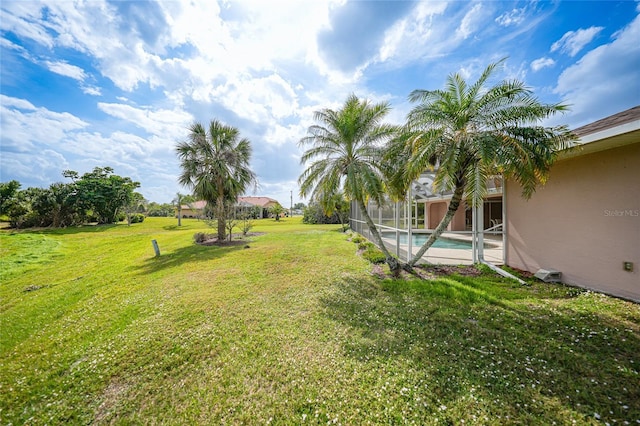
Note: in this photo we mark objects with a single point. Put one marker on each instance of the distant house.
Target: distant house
(585, 222)
(196, 209)
(193, 210)
(264, 203)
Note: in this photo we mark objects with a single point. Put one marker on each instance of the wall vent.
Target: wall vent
(549, 275)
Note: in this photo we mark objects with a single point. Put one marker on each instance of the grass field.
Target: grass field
(94, 329)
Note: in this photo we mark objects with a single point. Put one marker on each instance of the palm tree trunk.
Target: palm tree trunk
(451, 211)
(392, 262)
(220, 217)
(341, 220)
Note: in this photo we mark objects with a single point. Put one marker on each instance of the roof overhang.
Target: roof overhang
(613, 137)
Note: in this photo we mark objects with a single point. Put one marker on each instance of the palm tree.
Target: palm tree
(346, 150)
(276, 210)
(178, 203)
(215, 164)
(470, 133)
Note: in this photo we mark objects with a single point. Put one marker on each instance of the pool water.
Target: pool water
(418, 240)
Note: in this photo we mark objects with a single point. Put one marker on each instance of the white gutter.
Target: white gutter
(502, 272)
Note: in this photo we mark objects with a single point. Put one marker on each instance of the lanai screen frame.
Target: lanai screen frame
(396, 216)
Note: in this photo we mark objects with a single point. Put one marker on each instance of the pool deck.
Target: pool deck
(448, 256)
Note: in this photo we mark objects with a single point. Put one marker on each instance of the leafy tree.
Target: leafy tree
(299, 206)
(8, 191)
(18, 208)
(314, 213)
(133, 207)
(346, 154)
(103, 192)
(335, 203)
(160, 210)
(215, 164)
(471, 132)
(57, 206)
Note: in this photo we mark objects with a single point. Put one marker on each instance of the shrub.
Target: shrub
(314, 214)
(374, 255)
(137, 218)
(357, 239)
(200, 237)
(364, 245)
(246, 224)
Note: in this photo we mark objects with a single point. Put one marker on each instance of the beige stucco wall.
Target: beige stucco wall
(585, 222)
(436, 211)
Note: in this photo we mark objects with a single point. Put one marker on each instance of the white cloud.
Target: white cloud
(66, 69)
(22, 19)
(605, 78)
(40, 168)
(91, 90)
(169, 125)
(418, 35)
(280, 135)
(538, 64)
(10, 45)
(470, 22)
(572, 42)
(43, 143)
(513, 17)
(24, 124)
(259, 99)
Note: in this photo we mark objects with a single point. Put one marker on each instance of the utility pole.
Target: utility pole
(291, 209)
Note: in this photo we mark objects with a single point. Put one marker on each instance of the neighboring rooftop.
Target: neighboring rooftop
(264, 202)
(196, 205)
(258, 201)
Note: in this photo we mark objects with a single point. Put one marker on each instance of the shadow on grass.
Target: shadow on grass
(544, 359)
(185, 226)
(65, 231)
(185, 255)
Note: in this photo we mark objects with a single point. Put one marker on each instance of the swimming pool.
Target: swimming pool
(418, 240)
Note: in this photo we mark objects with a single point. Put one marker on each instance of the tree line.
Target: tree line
(97, 196)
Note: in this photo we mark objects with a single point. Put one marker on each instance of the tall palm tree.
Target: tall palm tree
(471, 132)
(215, 164)
(178, 203)
(346, 154)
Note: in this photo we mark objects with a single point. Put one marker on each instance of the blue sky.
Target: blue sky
(117, 83)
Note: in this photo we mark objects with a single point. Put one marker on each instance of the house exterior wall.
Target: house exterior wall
(585, 222)
(436, 211)
(458, 220)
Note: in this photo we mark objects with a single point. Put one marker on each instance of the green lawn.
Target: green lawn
(294, 329)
